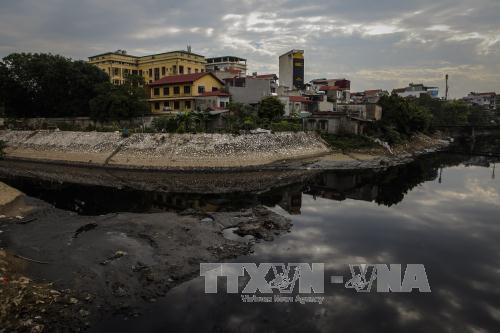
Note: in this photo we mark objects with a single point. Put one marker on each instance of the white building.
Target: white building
(417, 90)
(227, 64)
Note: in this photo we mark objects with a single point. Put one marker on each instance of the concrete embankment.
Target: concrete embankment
(161, 151)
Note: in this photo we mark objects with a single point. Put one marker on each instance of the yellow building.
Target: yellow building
(179, 92)
(152, 67)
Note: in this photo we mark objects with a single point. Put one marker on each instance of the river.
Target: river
(441, 211)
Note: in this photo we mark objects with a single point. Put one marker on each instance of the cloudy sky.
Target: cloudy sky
(375, 43)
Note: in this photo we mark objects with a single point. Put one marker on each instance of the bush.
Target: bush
(348, 142)
(165, 124)
(286, 126)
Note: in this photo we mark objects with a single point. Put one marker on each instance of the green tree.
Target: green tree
(46, 85)
(117, 102)
(271, 108)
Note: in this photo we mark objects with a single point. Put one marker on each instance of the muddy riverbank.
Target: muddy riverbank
(60, 269)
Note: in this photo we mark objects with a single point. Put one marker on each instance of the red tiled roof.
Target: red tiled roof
(183, 78)
(215, 93)
(301, 99)
(327, 88)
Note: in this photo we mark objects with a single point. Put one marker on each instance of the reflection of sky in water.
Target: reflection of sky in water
(453, 228)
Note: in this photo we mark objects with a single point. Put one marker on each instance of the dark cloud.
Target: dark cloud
(384, 43)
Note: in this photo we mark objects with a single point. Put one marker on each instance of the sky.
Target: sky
(375, 43)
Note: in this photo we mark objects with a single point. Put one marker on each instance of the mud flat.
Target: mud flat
(161, 151)
(62, 272)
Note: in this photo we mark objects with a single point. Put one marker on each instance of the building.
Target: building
(179, 92)
(486, 101)
(417, 90)
(292, 70)
(212, 100)
(227, 63)
(249, 90)
(295, 105)
(152, 67)
(351, 119)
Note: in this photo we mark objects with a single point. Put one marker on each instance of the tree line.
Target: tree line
(45, 85)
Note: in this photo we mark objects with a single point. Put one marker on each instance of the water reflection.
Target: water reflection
(404, 215)
(387, 187)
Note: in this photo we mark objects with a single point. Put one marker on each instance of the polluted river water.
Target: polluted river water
(441, 211)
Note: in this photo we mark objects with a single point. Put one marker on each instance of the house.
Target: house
(351, 119)
(179, 92)
(417, 90)
(119, 64)
(294, 105)
(212, 100)
(368, 96)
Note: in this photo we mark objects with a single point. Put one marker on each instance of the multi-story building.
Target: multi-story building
(152, 67)
(179, 92)
(417, 90)
(227, 64)
(292, 70)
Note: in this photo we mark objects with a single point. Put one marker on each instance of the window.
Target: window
(201, 89)
(187, 89)
(166, 91)
(134, 72)
(187, 104)
(157, 74)
(181, 69)
(140, 72)
(215, 89)
(150, 72)
(177, 90)
(196, 70)
(156, 91)
(163, 71)
(174, 69)
(222, 104)
(176, 105)
(116, 71)
(157, 106)
(189, 70)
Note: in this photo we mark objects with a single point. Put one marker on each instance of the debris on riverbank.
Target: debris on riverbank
(69, 270)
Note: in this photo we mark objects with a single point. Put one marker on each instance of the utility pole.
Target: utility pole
(447, 88)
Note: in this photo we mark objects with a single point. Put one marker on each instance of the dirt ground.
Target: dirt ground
(61, 272)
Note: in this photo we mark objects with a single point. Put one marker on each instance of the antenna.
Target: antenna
(189, 48)
(447, 88)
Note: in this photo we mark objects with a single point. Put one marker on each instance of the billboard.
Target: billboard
(298, 70)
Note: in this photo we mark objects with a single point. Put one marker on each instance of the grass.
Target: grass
(347, 142)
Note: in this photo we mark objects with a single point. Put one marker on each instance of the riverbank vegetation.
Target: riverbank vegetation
(404, 117)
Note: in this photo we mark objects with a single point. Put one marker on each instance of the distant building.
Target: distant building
(119, 64)
(486, 101)
(179, 92)
(368, 96)
(292, 70)
(227, 63)
(417, 90)
(337, 90)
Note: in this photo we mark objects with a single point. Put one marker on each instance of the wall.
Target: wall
(252, 93)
